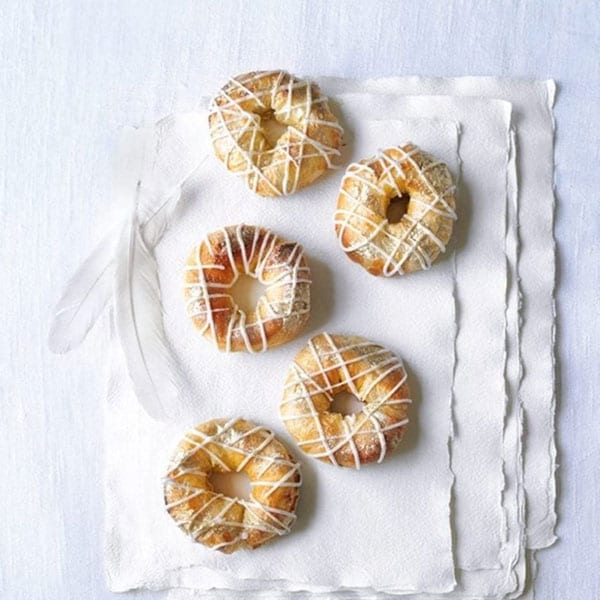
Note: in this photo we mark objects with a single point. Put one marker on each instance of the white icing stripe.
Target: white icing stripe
(370, 226)
(298, 402)
(311, 404)
(286, 299)
(355, 434)
(241, 129)
(258, 516)
(352, 442)
(378, 351)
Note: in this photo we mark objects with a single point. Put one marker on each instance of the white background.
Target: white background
(73, 72)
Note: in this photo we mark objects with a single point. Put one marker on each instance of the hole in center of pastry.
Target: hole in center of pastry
(233, 485)
(397, 208)
(346, 403)
(272, 128)
(246, 291)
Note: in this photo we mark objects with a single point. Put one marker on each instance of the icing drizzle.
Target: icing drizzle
(239, 130)
(411, 238)
(358, 430)
(285, 275)
(263, 517)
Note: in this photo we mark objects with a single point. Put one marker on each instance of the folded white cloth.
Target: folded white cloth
(494, 520)
(360, 522)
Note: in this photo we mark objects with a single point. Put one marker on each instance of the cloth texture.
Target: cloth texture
(468, 446)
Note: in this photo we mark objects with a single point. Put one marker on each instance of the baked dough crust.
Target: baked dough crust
(215, 265)
(413, 243)
(305, 150)
(218, 521)
(328, 365)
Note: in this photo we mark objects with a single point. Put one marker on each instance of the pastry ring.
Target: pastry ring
(301, 154)
(218, 521)
(215, 265)
(331, 364)
(420, 236)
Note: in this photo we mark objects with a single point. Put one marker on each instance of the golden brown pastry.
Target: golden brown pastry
(305, 150)
(218, 521)
(331, 364)
(214, 266)
(420, 236)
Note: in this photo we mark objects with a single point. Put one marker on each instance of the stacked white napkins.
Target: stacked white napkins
(455, 509)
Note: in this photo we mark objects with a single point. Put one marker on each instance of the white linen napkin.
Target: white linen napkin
(407, 525)
(492, 243)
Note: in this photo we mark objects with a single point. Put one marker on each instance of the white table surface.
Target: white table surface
(73, 72)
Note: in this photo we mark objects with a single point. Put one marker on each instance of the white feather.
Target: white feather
(170, 141)
(87, 293)
(85, 296)
(162, 158)
(156, 378)
(90, 288)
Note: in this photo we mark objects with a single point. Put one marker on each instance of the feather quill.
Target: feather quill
(179, 143)
(90, 288)
(156, 378)
(85, 296)
(156, 164)
(88, 291)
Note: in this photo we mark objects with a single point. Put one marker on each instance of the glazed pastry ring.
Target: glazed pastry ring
(218, 521)
(422, 234)
(307, 148)
(214, 266)
(328, 365)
